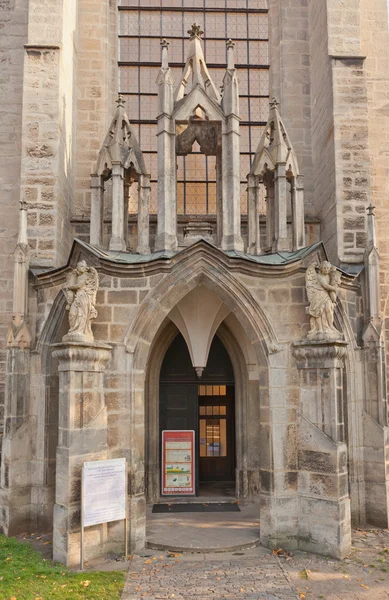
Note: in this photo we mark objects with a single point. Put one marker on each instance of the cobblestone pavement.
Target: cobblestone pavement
(252, 575)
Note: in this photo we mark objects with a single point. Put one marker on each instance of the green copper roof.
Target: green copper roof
(278, 258)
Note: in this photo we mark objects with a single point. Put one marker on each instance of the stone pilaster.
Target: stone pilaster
(17, 445)
(324, 504)
(82, 436)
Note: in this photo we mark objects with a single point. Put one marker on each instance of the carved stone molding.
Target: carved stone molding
(319, 355)
(79, 356)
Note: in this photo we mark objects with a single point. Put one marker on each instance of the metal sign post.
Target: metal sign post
(103, 497)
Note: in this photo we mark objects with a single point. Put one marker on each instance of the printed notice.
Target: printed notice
(104, 491)
(178, 463)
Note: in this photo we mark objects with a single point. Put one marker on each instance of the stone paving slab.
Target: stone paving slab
(254, 575)
(204, 531)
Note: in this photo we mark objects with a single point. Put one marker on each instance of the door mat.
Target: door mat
(196, 508)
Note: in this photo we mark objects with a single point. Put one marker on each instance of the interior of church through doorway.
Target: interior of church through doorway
(206, 406)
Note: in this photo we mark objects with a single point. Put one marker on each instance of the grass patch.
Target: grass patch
(25, 575)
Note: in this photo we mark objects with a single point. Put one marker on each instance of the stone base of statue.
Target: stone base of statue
(78, 338)
(82, 437)
(324, 336)
(322, 459)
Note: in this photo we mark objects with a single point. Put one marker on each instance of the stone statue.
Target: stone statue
(80, 291)
(322, 282)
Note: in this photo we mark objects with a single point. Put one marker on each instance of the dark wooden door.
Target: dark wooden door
(216, 433)
(178, 406)
(189, 403)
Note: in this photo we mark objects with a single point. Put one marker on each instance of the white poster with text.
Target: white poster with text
(104, 491)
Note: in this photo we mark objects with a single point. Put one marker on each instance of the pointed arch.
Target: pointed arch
(189, 274)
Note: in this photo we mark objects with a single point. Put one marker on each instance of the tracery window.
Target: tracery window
(142, 24)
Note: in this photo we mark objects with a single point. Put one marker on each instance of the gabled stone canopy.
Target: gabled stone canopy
(121, 160)
(275, 146)
(120, 145)
(202, 115)
(274, 166)
(196, 69)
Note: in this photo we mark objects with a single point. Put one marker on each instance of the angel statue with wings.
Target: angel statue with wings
(322, 282)
(80, 291)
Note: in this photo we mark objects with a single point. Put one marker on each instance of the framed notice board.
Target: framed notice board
(178, 463)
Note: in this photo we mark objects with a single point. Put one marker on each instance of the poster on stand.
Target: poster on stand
(104, 491)
(178, 463)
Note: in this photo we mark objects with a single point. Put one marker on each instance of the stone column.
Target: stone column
(269, 213)
(143, 246)
(280, 224)
(253, 242)
(324, 504)
(97, 211)
(82, 436)
(298, 226)
(117, 241)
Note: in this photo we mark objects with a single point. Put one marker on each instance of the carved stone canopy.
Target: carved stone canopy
(204, 133)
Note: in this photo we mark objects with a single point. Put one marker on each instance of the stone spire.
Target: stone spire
(275, 165)
(18, 332)
(372, 268)
(196, 68)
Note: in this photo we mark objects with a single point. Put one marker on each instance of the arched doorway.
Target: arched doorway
(205, 406)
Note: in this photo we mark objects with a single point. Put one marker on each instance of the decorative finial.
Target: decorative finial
(199, 371)
(230, 54)
(370, 210)
(120, 102)
(274, 103)
(164, 47)
(195, 31)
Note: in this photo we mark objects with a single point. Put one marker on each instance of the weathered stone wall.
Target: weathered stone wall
(130, 295)
(47, 146)
(339, 127)
(96, 83)
(289, 50)
(375, 46)
(13, 28)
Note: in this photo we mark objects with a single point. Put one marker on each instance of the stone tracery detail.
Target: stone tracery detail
(322, 282)
(80, 291)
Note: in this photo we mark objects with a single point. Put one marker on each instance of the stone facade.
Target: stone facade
(311, 414)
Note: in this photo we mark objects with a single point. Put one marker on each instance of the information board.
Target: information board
(104, 491)
(178, 463)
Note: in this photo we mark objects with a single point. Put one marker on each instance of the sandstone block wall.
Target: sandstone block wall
(13, 27)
